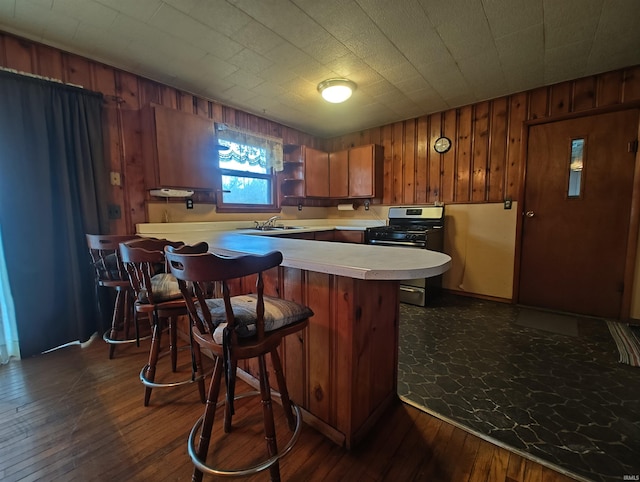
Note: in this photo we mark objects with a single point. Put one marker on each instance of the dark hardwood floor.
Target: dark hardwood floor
(73, 414)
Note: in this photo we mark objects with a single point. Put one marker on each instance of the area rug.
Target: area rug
(563, 401)
(627, 341)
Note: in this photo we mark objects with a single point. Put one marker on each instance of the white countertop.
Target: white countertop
(304, 224)
(343, 259)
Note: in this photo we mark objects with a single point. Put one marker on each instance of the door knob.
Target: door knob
(530, 214)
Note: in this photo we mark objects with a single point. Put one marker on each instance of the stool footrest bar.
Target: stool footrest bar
(254, 469)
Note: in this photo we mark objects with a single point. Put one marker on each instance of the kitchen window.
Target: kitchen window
(247, 170)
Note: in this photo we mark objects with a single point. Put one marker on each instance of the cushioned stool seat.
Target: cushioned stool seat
(277, 313)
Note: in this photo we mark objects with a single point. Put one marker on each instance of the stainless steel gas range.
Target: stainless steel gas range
(417, 227)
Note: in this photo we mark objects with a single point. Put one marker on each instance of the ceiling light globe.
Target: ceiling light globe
(336, 90)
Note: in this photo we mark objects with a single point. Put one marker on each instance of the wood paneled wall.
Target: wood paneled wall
(484, 164)
(486, 160)
(125, 94)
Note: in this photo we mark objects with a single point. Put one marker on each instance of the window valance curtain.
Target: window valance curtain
(272, 145)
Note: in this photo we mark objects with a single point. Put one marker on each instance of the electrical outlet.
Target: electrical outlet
(115, 178)
(507, 203)
(114, 211)
(189, 203)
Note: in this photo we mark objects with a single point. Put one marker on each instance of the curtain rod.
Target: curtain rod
(221, 127)
(40, 78)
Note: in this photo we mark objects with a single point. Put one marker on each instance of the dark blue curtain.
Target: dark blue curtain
(52, 191)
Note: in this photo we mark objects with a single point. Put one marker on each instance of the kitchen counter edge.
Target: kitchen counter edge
(343, 259)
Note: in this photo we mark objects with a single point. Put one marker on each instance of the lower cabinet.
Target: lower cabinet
(338, 235)
(342, 369)
(297, 236)
(348, 236)
(324, 235)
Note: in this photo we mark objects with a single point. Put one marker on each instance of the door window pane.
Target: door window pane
(576, 164)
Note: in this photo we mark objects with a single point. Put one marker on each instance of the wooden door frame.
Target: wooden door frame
(634, 217)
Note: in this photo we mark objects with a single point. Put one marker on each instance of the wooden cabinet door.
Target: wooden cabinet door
(339, 174)
(316, 173)
(365, 170)
(348, 236)
(181, 149)
(324, 235)
(296, 236)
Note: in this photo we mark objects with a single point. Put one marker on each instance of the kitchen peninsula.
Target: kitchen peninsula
(342, 369)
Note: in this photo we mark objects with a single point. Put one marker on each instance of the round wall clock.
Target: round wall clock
(442, 145)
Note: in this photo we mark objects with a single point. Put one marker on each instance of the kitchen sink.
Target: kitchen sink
(275, 228)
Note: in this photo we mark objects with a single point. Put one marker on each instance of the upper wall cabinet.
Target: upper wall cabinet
(316, 172)
(179, 149)
(366, 175)
(352, 173)
(339, 174)
(356, 172)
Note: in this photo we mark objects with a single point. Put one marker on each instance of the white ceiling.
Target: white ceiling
(408, 57)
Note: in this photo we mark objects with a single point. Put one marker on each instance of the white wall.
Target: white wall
(480, 238)
(176, 212)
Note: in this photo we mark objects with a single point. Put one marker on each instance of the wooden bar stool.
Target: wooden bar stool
(158, 296)
(110, 273)
(236, 328)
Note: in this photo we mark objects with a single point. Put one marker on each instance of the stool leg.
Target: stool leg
(136, 321)
(209, 416)
(173, 343)
(154, 351)
(126, 318)
(282, 388)
(115, 320)
(232, 387)
(199, 369)
(267, 413)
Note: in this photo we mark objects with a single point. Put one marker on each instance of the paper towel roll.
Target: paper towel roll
(346, 207)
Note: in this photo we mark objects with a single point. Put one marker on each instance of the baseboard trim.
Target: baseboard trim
(479, 296)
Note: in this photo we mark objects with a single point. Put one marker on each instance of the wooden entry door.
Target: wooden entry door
(574, 240)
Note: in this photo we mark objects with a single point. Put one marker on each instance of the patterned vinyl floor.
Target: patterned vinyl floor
(552, 388)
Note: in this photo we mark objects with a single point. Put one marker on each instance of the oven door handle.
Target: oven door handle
(397, 243)
(410, 289)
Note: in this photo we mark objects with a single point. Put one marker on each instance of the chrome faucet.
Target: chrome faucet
(269, 223)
